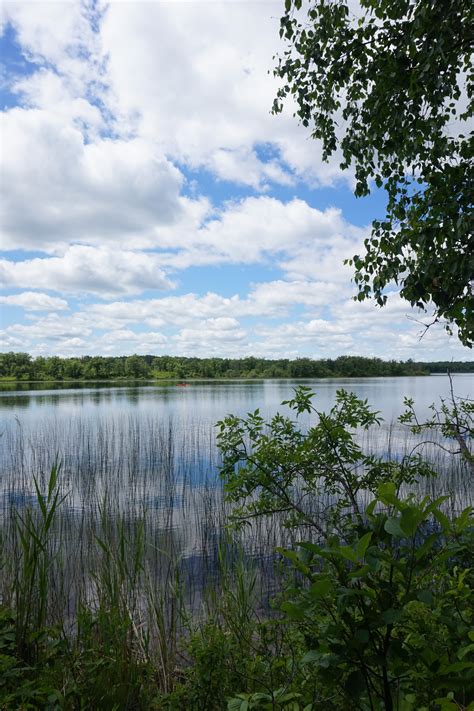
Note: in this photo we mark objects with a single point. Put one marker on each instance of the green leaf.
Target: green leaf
(292, 610)
(435, 504)
(391, 616)
(425, 596)
(320, 587)
(392, 526)
(362, 635)
(371, 507)
(464, 520)
(446, 705)
(465, 650)
(347, 552)
(360, 572)
(387, 495)
(312, 656)
(456, 667)
(410, 519)
(363, 544)
(442, 519)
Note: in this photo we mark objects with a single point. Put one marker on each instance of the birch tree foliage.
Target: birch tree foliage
(389, 84)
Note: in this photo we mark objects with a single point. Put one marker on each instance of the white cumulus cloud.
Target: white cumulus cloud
(101, 271)
(34, 301)
(58, 190)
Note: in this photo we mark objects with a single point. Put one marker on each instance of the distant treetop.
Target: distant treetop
(21, 366)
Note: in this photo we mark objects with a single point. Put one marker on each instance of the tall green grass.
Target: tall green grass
(130, 637)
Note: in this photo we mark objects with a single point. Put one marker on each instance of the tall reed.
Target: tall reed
(33, 560)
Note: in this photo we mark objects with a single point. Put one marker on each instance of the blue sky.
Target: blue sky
(152, 203)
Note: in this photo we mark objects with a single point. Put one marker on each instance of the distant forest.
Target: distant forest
(21, 366)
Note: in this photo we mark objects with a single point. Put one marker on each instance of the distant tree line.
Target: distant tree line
(21, 366)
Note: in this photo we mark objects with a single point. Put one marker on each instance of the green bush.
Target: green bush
(384, 592)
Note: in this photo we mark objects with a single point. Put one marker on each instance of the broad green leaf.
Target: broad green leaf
(360, 572)
(464, 520)
(465, 650)
(371, 507)
(292, 610)
(442, 519)
(348, 553)
(392, 526)
(446, 705)
(320, 587)
(435, 504)
(425, 596)
(363, 544)
(410, 519)
(387, 495)
(392, 616)
(312, 656)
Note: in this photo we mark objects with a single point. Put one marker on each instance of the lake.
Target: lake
(208, 401)
(134, 452)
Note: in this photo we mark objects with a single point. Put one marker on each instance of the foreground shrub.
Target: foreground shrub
(384, 590)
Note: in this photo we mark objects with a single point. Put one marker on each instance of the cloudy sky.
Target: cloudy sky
(152, 204)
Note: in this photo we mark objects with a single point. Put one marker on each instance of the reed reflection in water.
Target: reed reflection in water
(133, 464)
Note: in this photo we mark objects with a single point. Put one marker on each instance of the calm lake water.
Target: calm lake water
(147, 452)
(132, 429)
(205, 402)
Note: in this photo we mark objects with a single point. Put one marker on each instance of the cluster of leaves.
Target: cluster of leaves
(279, 468)
(388, 90)
(384, 594)
(25, 685)
(67, 673)
(223, 659)
(388, 616)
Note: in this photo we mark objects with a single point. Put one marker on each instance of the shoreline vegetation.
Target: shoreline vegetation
(22, 367)
(370, 559)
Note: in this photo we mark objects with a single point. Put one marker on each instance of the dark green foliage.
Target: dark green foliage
(89, 672)
(26, 686)
(217, 668)
(388, 612)
(257, 658)
(390, 88)
(279, 468)
(384, 585)
(20, 366)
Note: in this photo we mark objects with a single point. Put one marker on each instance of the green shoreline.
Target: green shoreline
(152, 381)
(23, 368)
(189, 380)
